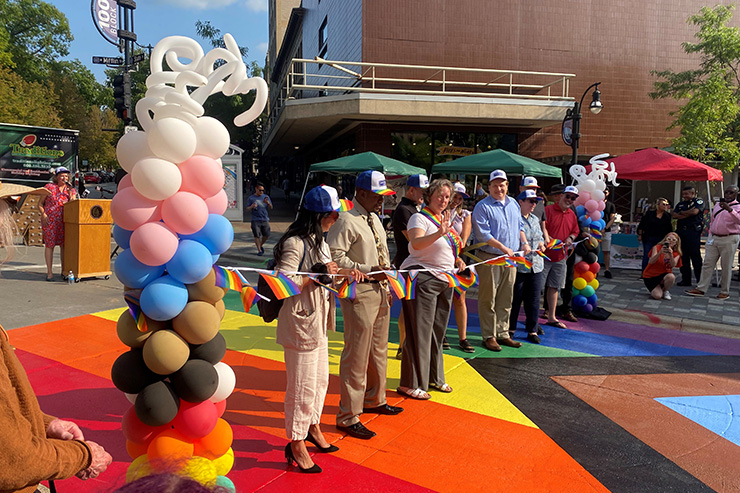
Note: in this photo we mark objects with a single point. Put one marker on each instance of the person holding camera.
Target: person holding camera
(724, 234)
(658, 275)
(433, 244)
(304, 319)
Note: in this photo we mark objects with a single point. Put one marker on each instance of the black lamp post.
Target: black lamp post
(574, 114)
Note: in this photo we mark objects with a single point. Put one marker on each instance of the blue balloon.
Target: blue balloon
(217, 235)
(579, 301)
(580, 210)
(587, 308)
(600, 224)
(122, 236)
(134, 274)
(191, 263)
(163, 298)
(584, 220)
(215, 258)
(592, 299)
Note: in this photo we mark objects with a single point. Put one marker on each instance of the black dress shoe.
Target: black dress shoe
(533, 338)
(331, 448)
(384, 409)
(684, 284)
(314, 469)
(357, 430)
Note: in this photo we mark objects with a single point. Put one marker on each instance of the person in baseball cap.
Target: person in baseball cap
(528, 194)
(458, 187)
(529, 182)
(498, 174)
(373, 181)
(418, 181)
(326, 199)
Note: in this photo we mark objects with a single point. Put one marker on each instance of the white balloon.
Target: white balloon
(226, 382)
(156, 179)
(597, 195)
(132, 148)
(587, 186)
(213, 138)
(172, 139)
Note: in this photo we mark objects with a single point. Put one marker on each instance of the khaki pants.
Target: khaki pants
(495, 292)
(307, 373)
(362, 369)
(723, 249)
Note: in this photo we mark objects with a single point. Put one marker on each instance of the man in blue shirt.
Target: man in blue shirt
(258, 205)
(497, 221)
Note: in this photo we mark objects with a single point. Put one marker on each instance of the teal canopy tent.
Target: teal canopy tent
(485, 162)
(357, 163)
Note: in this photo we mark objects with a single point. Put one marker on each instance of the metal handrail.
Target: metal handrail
(300, 83)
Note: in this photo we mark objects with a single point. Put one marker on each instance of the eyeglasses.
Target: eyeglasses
(570, 197)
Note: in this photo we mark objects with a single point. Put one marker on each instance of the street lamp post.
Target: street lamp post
(574, 114)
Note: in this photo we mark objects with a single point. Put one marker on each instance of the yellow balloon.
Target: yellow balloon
(201, 470)
(594, 284)
(224, 463)
(138, 469)
(579, 283)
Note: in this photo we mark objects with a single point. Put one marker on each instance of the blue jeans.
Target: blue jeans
(527, 289)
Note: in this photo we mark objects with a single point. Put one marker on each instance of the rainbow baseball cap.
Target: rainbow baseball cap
(325, 199)
(373, 181)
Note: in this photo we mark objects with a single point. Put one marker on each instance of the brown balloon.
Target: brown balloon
(221, 307)
(206, 289)
(165, 352)
(197, 323)
(128, 333)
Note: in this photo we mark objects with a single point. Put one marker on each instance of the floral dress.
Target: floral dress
(53, 233)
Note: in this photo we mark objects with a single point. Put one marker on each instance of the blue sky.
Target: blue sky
(246, 20)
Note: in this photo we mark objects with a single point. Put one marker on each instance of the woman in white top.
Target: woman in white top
(461, 224)
(432, 245)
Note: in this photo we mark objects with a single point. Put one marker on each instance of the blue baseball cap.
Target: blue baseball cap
(418, 181)
(373, 181)
(325, 199)
(460, 188)
(528, 194)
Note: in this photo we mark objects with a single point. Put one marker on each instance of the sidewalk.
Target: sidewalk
(624, 295)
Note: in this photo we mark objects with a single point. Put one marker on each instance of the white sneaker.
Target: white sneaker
(666, 295)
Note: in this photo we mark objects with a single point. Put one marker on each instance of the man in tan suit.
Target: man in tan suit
(358, 241)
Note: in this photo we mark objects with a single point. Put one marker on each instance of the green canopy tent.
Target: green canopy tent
(357, 163)
(485, 162)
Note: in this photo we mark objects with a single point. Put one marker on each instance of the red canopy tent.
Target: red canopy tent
(657, 165)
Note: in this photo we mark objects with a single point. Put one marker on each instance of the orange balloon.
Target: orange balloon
(169, 446)
(588, 276)
(135, 449)
(216, 443)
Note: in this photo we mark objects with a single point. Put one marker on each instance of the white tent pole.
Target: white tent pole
(303, 193)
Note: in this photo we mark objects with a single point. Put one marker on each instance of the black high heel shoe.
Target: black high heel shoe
(327, 450)
(291, 459)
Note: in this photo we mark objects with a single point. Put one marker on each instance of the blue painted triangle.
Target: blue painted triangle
(717, 413)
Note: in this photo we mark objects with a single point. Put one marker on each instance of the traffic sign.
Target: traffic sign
(108, 60)
(137, 58)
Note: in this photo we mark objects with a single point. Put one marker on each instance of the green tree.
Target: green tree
(709, 118)
(26, 103)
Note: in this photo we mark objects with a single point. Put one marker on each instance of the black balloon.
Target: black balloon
(196, 381)
(130, 374)
(212, 351)
(157, 404)
(590, 258)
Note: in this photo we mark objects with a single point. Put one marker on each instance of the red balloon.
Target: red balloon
(595, 268)
(195, 420)
(135, 449)
(581, 267)
(220, 407)
(135, 431)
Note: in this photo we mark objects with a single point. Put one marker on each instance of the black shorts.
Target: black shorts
(653, 282)
(260, 229)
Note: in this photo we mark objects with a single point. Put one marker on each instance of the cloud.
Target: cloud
(261, 48)
(201, 4)
(257, 5)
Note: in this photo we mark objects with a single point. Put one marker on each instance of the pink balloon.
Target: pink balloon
(125, 182)
(592, 206)
(185, 213)
(130, 209)
(220, 407)
(586, 196)
(218, 203)
(153, 244)
(202, 175)
(602, 205)
(195, 420)
(595, 215)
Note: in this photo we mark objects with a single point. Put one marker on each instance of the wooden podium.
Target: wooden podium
(87, 230)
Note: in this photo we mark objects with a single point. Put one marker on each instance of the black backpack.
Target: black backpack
(269, 310)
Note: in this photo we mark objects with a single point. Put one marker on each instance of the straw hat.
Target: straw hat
(13, 189)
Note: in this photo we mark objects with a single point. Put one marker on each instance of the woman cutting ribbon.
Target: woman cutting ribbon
(432, 245)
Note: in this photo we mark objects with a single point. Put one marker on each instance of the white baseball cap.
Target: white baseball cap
(530, 181)
(571, 189)
(498, 174)
(460, 188)
(373, 181)
(418, 181)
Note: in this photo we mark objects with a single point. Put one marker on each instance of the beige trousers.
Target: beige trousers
(723, 249)
(362, 369)
(307, 373)
(495, 292)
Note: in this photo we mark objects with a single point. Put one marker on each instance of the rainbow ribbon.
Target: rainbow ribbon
(452, 238)
(135, 310)
(555, 244)
(542, 254)
(498, 261)
(396, 282)
(452, 280)
(228, 278)
(348, 290)
(280, 285)
(596, 233)
(522, 261)
(466, 282)
(248, 295)
(411, 285)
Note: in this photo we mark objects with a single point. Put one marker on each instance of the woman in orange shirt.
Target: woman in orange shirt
(658, 275)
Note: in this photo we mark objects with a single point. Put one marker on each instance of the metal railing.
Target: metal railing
(308, 79)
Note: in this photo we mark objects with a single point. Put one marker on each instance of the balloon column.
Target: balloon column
(589, 208)
(168, 215)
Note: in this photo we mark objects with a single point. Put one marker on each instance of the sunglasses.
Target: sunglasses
(260, 189)
(570, 197)
(532, 201)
